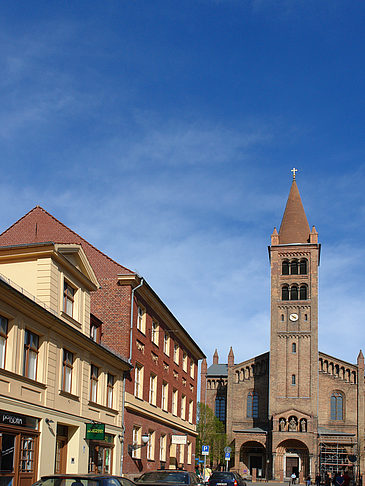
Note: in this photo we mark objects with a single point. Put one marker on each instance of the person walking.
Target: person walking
(293, 477)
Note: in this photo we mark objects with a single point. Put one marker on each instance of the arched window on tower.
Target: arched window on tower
(285, 292)
(294, 292)
(303, 266)
(294, 267)
(303, 292)
(220, 408)
(294, 348)
(252, 405)
(336, 406)
(285, 267)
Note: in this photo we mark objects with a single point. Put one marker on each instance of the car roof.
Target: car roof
(80, 476)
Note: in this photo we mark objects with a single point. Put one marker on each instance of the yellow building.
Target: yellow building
(61, 393)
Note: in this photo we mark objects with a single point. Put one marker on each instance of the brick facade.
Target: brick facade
(293, 408)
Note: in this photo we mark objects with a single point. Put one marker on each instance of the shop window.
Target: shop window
(67, 366)
(27, 453)
(336, 406)
(94, 378)
(31, 347)
(101, 456)
(68, 298)
(3, 340)
(252, 405)
(109, 390)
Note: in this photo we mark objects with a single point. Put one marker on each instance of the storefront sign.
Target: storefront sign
(179, 439)
(95, 431)
(17, 420)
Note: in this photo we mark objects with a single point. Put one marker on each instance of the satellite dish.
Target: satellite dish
(352, 458)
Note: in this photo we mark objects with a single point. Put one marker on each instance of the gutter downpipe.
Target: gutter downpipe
(124, 373)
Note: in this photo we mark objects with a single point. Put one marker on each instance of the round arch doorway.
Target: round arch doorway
(292, 456)
(253, 456)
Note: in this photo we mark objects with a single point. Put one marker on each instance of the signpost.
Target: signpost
(227, 457)
(205, 453)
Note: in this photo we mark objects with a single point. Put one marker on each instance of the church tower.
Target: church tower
(294, 258)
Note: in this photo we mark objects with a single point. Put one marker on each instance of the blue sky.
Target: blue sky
(164, 133)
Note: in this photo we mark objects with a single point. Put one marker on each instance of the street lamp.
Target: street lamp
(132, 447)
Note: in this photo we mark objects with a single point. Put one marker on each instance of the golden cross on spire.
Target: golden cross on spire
(294, 170)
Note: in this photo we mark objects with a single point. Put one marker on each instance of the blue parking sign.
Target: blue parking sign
(227, 456)
(205, 450)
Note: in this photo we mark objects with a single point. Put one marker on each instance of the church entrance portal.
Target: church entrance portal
(253, 459)
(292, 456)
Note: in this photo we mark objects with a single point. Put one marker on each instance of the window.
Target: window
(191, 409)
(282, 317)
(285, 267)
(109, 390)
(94, 377)
(151, 445)
(67, 365)
(68, 298)
(3, 339)
(182, 454)
(141, 319)
(174, 402)
(294, 267)
(153, 385)
(138, 381)
(294, 348)
(220, 408)
(336, 406)
(183, 407)
(176, 353)
(136, 439)
(163, 447)
(303, 268)
(305, 317)
(166, 343)
(154, 333)
(252, 405)
(31, 345)
(95, 329)
(164, 397)
(294, 292)
(192, 369)
(185, 362)
(303, 292)
(285, 292)
(293, 379)
(189, 452)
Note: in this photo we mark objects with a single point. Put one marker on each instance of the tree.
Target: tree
(210, 432)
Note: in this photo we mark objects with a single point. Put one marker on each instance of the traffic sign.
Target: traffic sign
(227, 456)
(227, 449)
(205, 450)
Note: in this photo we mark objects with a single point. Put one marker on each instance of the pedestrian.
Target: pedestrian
(318, 480)
(339, 480)
(293, 477)
(327, 480)
(308, 481)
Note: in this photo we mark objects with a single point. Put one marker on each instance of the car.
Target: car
(83, 480)
(175, 477)
(226, 478)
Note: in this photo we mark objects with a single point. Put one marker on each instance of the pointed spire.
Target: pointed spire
(360, 358)
(275, 237)
(230, 357)
(215, 357)
(294, 225)
(204, 367)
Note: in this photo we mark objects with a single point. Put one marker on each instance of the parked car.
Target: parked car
(83, 480)
(169, 476)
(226, 478)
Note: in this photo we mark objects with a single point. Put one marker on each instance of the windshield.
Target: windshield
(222, 475)
(67, 482)
(164, 477)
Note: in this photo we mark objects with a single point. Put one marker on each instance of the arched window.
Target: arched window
(294, 348)
(294, 267)
(293, 380)
(285, 292)
(303, 292)
(294, 292)
(285, 267)
(303, 266)
(252, 405)
(282, 317)
(220, 408)
(336, 406)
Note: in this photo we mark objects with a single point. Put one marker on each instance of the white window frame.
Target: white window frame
(183, 407)
(163, 447)
(155, 332)
(190, 448)
(151, 446)
(185, 362)
(176, 353)
(4, 333)
(192, 369)
(136, 440)
(153, 389)
(165, 396)
(141, 319)
(138, 381)
(166, 343)
(174, 402)
(182, 454)
(191, 411)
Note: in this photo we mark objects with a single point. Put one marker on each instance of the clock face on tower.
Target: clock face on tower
(293, 317)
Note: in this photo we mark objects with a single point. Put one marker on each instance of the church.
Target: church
(292, 409)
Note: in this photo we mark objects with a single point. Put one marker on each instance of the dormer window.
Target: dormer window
(68, 298)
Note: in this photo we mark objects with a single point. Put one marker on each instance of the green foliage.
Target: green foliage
(210, 432)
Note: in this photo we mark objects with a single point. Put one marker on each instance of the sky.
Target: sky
(164, 133)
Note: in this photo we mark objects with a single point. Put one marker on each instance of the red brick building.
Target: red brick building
(129, 318)
(293, 409)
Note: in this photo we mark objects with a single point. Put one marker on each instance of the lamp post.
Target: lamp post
(132, 447)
